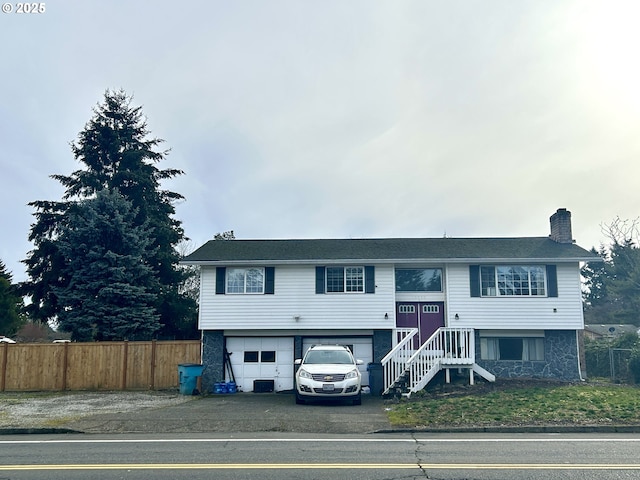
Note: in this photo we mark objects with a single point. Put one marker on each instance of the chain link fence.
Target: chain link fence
(620, 365)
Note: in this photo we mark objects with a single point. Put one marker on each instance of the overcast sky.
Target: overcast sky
(337, 119)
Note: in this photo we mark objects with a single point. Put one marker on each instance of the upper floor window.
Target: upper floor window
(349, 279)
(419, 280)
(345, 279)
(245, 280)
(512, 280)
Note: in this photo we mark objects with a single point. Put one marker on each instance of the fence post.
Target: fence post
(125, 354)
(152, 384)
(65, 365)
(3, 374)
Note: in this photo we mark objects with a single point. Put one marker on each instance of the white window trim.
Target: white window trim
(512, 333)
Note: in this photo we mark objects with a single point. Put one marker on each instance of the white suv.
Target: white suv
(328, 371)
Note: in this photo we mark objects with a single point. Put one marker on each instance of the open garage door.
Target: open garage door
(261, 358)
(361, 347)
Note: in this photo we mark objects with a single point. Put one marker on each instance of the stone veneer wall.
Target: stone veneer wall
(560, 363)
(213, 358)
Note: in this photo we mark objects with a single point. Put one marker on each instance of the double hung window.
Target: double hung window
(345, 279)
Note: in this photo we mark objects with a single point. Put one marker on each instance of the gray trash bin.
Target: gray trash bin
(376, 381)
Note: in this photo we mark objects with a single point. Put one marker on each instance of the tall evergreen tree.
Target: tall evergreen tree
(612, 292)
(110, 294)
(10, 304)
(116, 152)
(595, 281)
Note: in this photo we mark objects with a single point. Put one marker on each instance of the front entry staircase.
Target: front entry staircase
(407, 370)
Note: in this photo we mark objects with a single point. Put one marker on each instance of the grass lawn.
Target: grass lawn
(520, 403)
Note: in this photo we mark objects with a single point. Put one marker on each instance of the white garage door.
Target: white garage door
(362, 349)
(261, 358)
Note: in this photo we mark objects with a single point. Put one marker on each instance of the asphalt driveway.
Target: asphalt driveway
(243, 412)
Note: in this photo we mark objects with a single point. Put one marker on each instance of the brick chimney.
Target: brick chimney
(561, 226)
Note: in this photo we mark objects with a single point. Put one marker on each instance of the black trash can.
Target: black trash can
(376, 382)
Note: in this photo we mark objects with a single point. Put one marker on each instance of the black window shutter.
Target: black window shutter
(269, 280)
(220, 280)
(369, 279)
(319, 279)
(474, 280)
(552, 281)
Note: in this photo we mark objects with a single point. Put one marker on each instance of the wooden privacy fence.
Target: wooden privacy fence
(94, 366)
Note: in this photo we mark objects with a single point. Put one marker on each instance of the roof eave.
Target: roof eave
(390, 261)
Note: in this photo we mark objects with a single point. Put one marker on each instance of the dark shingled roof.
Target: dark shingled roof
(387, 250)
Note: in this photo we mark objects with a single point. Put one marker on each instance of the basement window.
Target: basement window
(512, 348)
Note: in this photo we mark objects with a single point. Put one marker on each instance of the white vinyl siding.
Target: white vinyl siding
(295, 296)
(563, 312)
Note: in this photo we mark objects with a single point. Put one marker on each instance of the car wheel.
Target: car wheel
(299, 399)
(357, 400)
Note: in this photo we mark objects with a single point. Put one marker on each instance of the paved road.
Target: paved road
(278, 455)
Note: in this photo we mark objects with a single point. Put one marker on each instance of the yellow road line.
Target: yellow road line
(342, 466)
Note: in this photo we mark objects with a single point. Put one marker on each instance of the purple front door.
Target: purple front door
(427, 317)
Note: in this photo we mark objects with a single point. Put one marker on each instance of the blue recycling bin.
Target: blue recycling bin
(188, 374)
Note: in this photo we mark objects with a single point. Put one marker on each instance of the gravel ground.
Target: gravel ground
(30, 410)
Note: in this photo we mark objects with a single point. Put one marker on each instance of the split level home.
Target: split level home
(408, 307)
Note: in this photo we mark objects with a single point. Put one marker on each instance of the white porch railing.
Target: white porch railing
(394, 363)
(446, 348)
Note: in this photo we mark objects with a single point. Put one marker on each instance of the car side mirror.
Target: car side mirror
(359, 362)
(297, 361)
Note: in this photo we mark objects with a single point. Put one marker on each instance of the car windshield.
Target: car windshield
(328, 356)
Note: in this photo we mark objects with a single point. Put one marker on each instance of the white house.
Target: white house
(410, 307)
